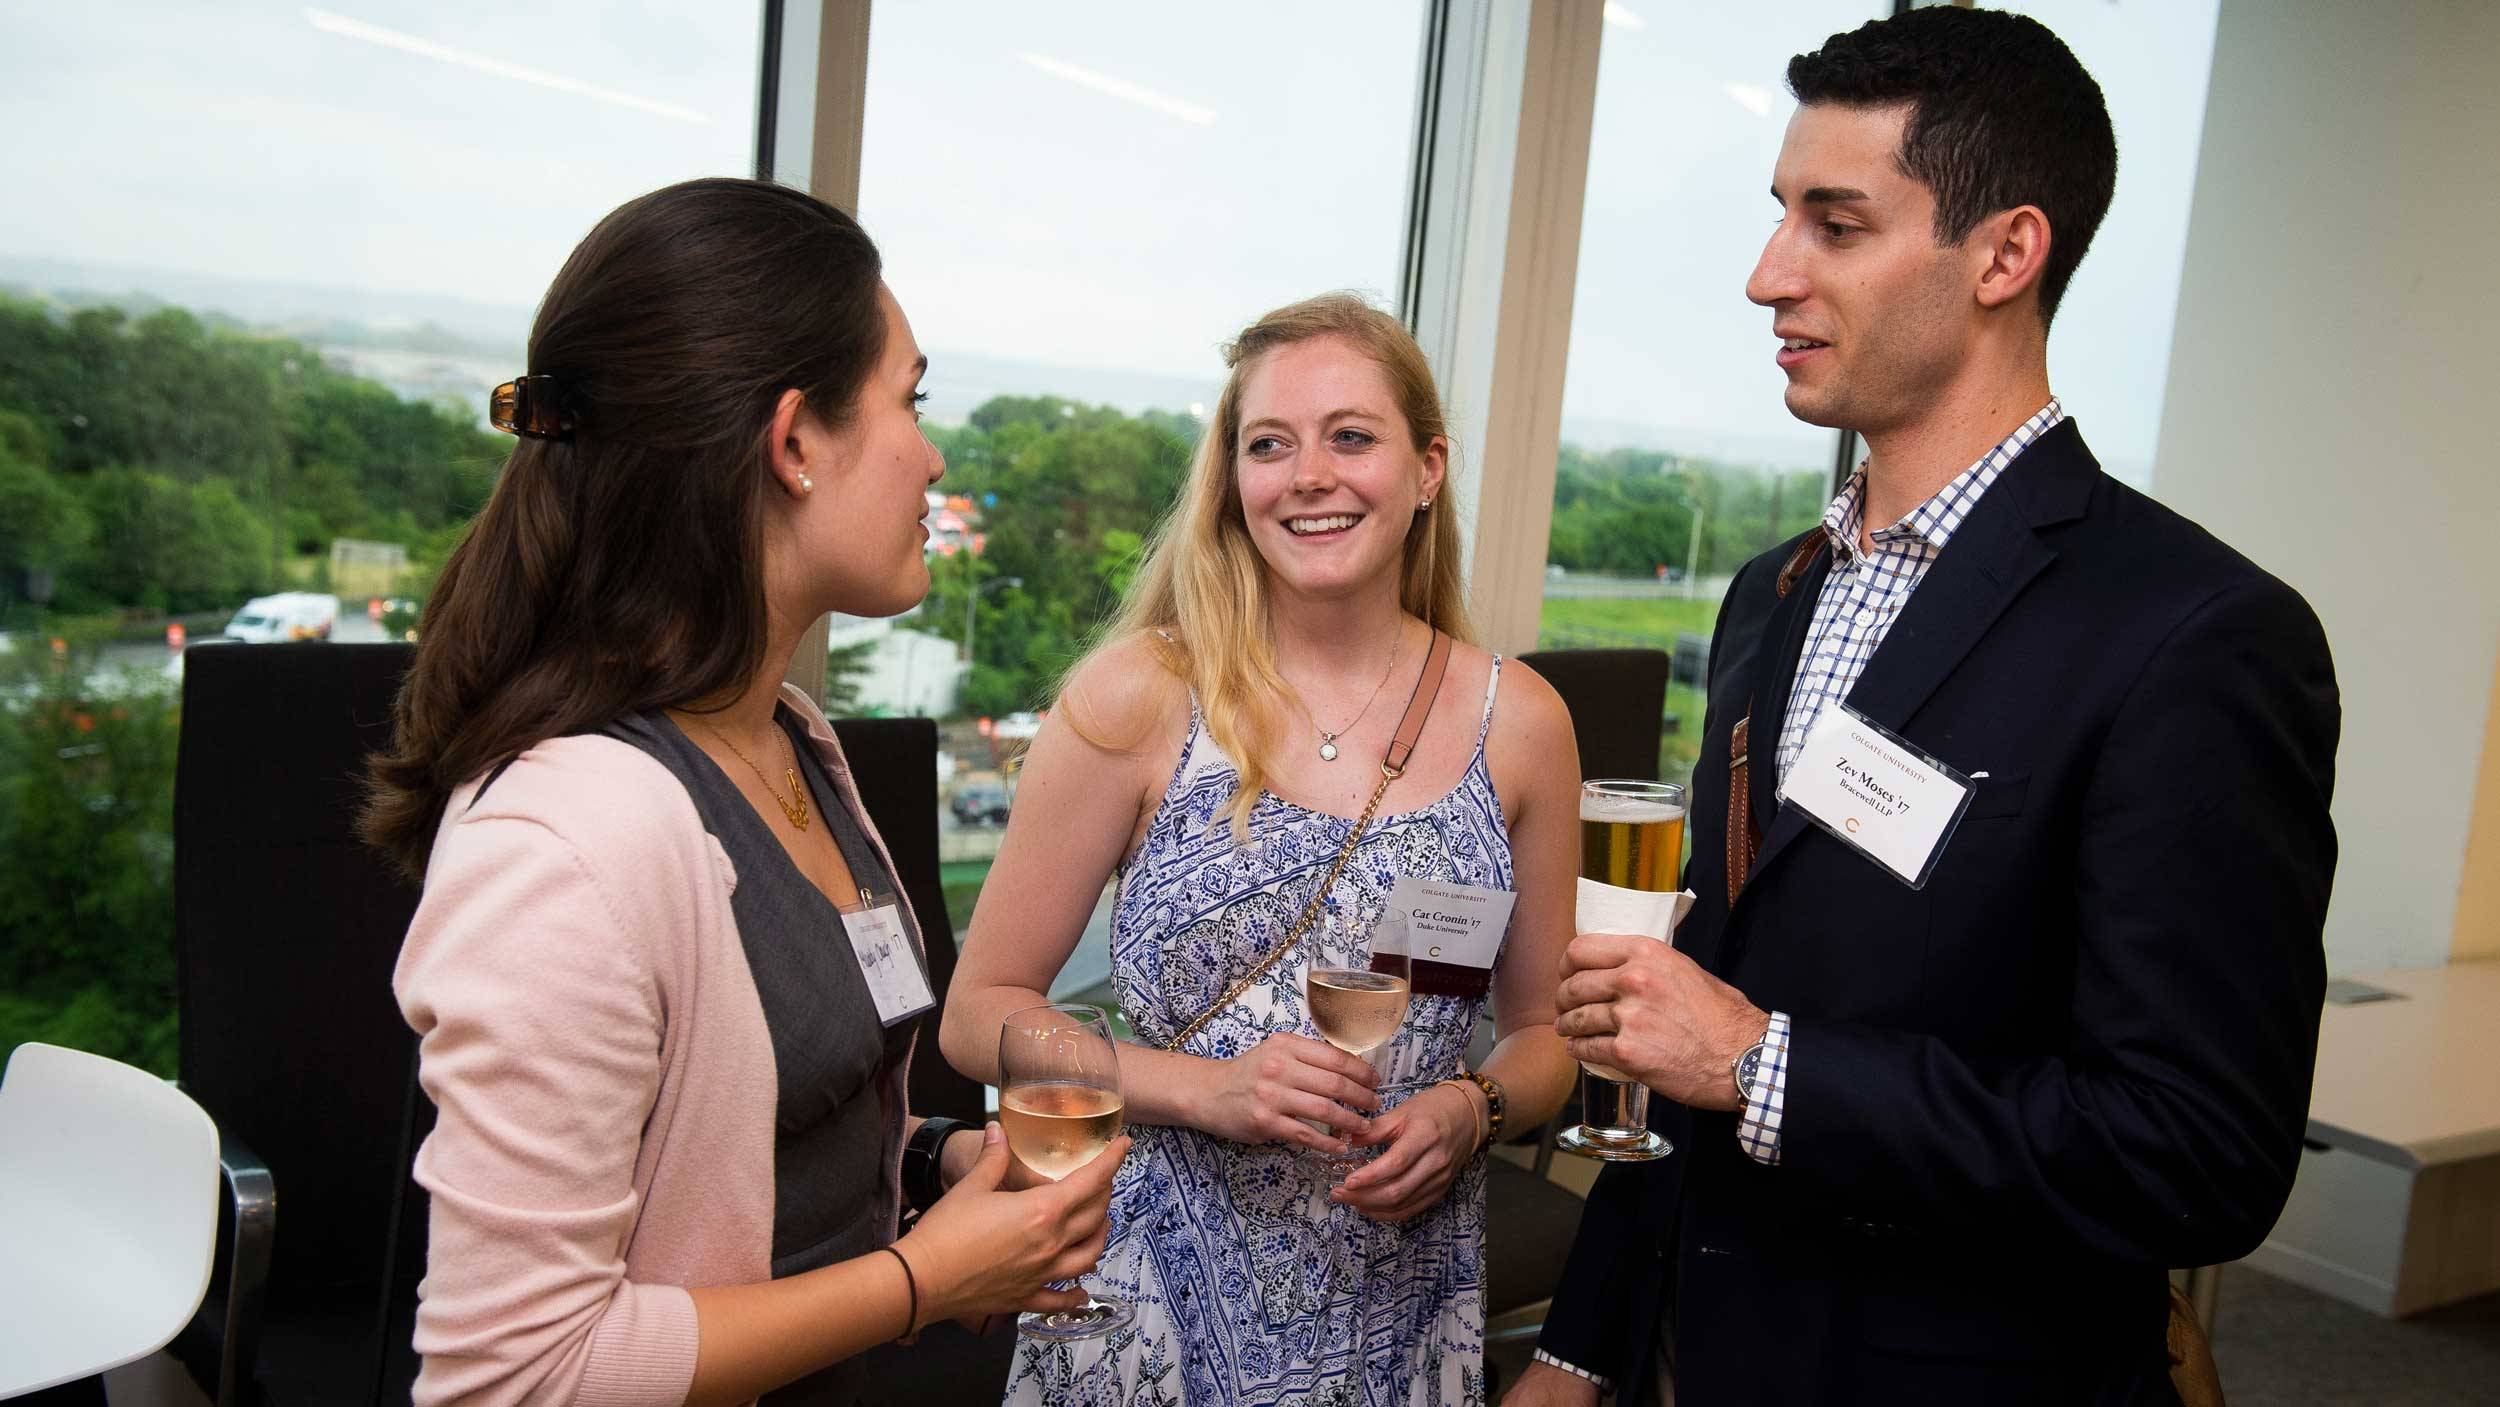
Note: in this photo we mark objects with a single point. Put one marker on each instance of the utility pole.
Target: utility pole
(1692, 556)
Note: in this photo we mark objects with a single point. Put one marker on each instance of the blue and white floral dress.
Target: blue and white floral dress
(1251, 1287)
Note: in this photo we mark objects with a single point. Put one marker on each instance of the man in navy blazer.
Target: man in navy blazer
(1941, 1144)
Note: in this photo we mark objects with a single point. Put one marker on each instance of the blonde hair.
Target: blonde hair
(1203, 583)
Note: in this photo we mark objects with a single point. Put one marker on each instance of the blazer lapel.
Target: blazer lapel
(1783, 637)
(1993, 555)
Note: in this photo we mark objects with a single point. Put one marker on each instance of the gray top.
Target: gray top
(832, 1174)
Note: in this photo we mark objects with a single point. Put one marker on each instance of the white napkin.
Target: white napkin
(1611, 908)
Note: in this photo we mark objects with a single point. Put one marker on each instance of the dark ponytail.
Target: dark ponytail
(622, 568)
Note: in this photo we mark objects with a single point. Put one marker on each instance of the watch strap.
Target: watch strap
(923, 1152)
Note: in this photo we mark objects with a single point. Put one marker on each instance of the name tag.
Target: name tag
(1453, 934)
(886, 959)
(1877, 792)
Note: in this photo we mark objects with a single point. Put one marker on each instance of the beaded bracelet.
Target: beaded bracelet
(1494, 1103)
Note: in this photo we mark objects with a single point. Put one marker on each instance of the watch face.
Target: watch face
(1748, 1068)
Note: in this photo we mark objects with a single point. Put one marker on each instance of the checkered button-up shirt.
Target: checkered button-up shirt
(1862, 596)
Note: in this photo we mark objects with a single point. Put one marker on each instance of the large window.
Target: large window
(263, 261)
(259, 265)
(1678, 459)
(1077, 205)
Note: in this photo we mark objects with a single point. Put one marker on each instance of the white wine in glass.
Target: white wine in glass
(1358, 1009)
(1058, 1126)
(1059, 1104)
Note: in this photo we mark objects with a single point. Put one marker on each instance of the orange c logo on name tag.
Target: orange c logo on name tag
(1850, 825)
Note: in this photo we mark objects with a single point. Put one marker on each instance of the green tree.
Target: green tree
(171, 546)
(1629, 512)
(241, 421)
(1067, 494)
(86, 895)
(845, 667)
(43, 525)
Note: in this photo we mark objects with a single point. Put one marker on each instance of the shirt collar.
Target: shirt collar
(1935, 520)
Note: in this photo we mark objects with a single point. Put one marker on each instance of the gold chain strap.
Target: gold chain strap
(1302, 922)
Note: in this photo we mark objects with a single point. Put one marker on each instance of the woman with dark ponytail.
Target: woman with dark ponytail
(671, 1152)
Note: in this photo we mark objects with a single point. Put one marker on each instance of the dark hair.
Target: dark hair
(2001, 115)
(621, 568)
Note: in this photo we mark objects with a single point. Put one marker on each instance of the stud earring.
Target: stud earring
(806, 484)
(1421, 507)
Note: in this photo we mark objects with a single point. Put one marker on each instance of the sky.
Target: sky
(1115, 187)
(1691, 106)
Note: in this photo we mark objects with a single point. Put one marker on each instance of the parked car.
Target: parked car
(978, 802)
(289, 615)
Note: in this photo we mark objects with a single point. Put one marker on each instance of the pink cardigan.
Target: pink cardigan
(591, 1035)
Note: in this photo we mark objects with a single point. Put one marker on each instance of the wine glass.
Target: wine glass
(1359, 1006)
(1059, 1104)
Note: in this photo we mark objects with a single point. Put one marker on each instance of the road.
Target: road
(353, 628)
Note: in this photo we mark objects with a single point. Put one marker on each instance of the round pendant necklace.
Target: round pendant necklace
(1327, 739)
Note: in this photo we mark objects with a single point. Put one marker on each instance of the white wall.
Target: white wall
(2330, 411)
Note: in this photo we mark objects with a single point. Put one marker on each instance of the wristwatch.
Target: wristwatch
(922, 1182)
(1747, 1068)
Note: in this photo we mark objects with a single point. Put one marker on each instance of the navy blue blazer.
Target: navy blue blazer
(2079, 1056)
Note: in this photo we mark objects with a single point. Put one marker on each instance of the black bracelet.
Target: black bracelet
(911, 1284)
(923, 1153)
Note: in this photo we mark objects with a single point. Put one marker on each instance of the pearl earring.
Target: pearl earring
(1426, 504)
(806, 484)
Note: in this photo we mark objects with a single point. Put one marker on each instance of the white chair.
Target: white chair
(108, 1215)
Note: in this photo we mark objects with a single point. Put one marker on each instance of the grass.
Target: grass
(960, 881)
(1657, 620)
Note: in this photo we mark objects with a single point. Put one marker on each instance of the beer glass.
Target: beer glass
(1059, 1104)
(1631, 836)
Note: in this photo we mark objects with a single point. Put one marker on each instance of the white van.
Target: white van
(289, 615)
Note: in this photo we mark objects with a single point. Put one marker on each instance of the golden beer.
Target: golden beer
(1633, 841)
(1632, 837)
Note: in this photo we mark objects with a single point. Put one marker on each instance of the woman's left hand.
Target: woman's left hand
(1423, 1143)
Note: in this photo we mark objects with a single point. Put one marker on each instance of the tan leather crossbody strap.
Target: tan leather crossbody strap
(1418, 706)
(1392, 766)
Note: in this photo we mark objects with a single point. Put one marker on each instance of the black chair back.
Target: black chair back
(286, 929)
(1617, 699)
(894, 763)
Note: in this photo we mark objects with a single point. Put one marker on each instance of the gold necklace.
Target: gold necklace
(1328, 740)
(796, 807)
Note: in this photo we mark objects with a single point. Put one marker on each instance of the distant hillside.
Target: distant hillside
(427, 347)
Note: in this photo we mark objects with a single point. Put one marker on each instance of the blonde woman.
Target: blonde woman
(1222, 754)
